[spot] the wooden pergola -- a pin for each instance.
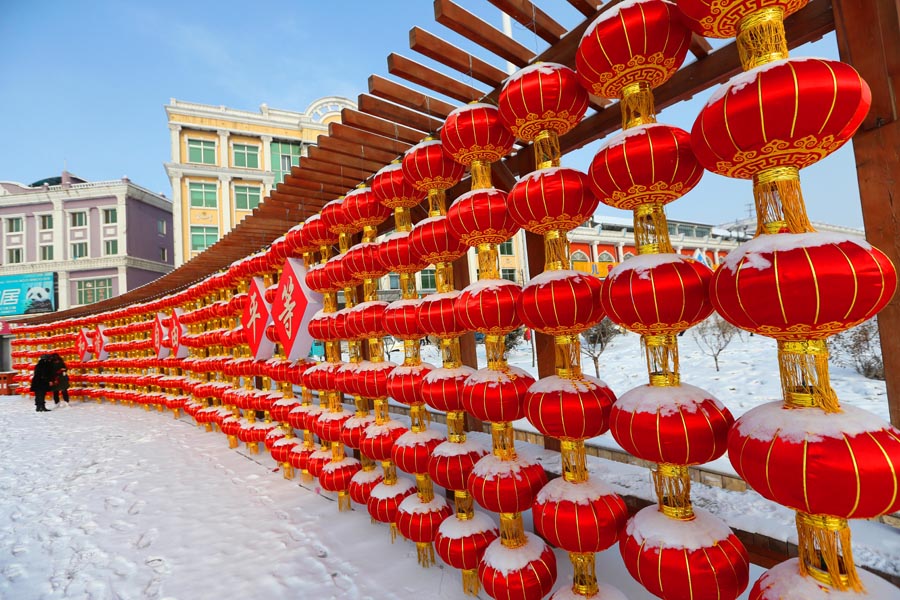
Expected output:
(393, 116)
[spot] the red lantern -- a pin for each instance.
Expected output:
(629, 44)
(396, 254)
(336, 218)
(533, 577)
(579, 517)
(632, 294)
(496, 395)
(373, 377)
(442, 389)
(561, 302)
(317, 461)
(363, 261)
(400, 319)
(426, 167)
(362, 483)
(551, 199)
(437, 316)
(698, 559)
(412, 450)
(364, 209)
(319, 279)
(482, 217)
(336, 474)
(384, 500)
(507, 486)
(569, 408)
(474, 132)
(542, 97)
(785, 578)
(788, 113)
(434, 242)
(404, 384)
(682, 425)
(393, 190)
(378, 440)
(802, 286)
(841, 464)
(489, 306)
(451, 463)
(461, 543)
(418, 521)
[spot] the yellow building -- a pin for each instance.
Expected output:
(225, 161)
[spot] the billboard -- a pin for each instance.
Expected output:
(27, 294)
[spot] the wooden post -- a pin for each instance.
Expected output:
(868, 36)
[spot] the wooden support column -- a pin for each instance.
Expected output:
(868, 36)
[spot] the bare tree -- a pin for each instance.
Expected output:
(713, 335)
(595, 340)
(860, 348)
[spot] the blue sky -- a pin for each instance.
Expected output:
(84, 83)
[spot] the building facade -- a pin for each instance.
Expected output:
(92, 240)
(225, 161)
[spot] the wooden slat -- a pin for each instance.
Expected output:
(436, 81)
(354, 151)
(337, 169)
(532, 18)
(430, 45)
(454, 17)
(338, 158)
(700, 46)
(341, 183)
(586, 7)
(404, 96)
(395, 112)
(379, 126)
(360, 136)
(298, 184)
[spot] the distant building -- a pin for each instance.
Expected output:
(68, 242)
(225, 161)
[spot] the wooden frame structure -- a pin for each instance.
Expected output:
(392, 117)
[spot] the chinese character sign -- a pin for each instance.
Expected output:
(99, 350)
(294, 306)
(161, 336)
(176, 334)
(27, 294)
(83, 345)
(256, 318)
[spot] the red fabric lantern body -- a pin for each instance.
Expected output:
(452, 462)
(699, 559)
(378, 440)
(299, 457)
(682, 425)
(393, 190)
(496, 395)
(418, 521)
(489, 306)
(363, 208)
(317, 461)
(633, 291)
(412, 450)
(482, 217)
(840, 464)
(788, 113)
(645, 164)
(366, 320)
(434, 242)
(373, 376)
(363, 261)
(396, 254)
(551, 199)
(329, 424)
(508, 486)
(405, 383)
(561, 302)
(401, 319)
(437, 315)
(722, 19)
(802, 286)
(384, 500)
(441, 389)
(542, 97)
(579, 517)
(426, 167)
(784, 582)
(629, 44)
(461, 544)
(336, 219)
(336, 475)
(317, 233)
(572, 409)
(362, 484)
(352, 432)
(531, 579)
(475, 132)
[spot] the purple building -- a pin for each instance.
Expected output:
(67, 242)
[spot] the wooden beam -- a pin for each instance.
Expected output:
(343, 184)
(345, 132)
(324, 166)
(338, 158)
(354, 151)
(586, 7)
(400, 114)
(700, 46)
(430, 45)
(379, 126)
(419, 74)
(454, 17)
(404, 96)
(868, 35)
(532, 18)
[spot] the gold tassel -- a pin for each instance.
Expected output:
(651, 230)
(761, 39)
(470, 583)
(306, 476)
(574, 464)
(425, 554)
(568, 356)
(408, 286)
(512, 530)
(488, 262)
(672, 484)
(638, 106)
(556, 251)
(456, 421)
(503, 440)
(825, 552)
(437, 198)
(495, 352)
(344, 503)
(288, 470)
(369, 233)
(253, 447)
(402, 219)
(176, 413)
(465, 505)
(546, 150)
(394, 532)
(805, 381)
(424, 487)
(779, 201)
(584, 579)
(481, 177)
(662, 359)
(232, 441)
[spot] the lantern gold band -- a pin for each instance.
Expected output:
(481, 175)
(437, 202)
(584, 579)
(451, 353)
(662, 359)
(779, 201)
(412, 353)
(805, 380)
(574, 462)
(470, 583)
(424, 487)
(369, 233)
(419, 418)
(376, 350)
(443, 275)
(568, 356)
(488, 262)
(343, 242)
(825, 553)
(329, 302)
(495, 350)
(556, 251)
(761, 38)
(456, 426)
(370, 290)
(546, 150)
(390, 472)
(465, 506)
(672, 484)
(638, 105)
(402, 219)
(362, 405)
(503, 440)
(512, 530)
(651, 229)
(382, 415)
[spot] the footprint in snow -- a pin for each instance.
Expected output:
(121, 525)
(137, 507)
(146, 539)
(129, 487)
(158, 564)
(17, 550)
(13, 571)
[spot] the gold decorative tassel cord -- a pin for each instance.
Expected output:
(470, 583)
(465, 506)
(584, 579)
(443, 277)
(495, 351)
(574, 462)
(503, 440)
(546, 150)
(662, 359)
(638, 105)
(369, 233)
(437, 200)
(779, 201)
(419, 418)
(425, 554)
(344, 503)
(424, 487)
(408, 286)
(412, 353)
(402, 219)
(451, 353)
(481, 175)
(651, 230)
(568, 356)
(456, 422)
(825, 552)
(512, 530)
(390, 472)
(805, 381)
(488, 262)
(672, 484)
(556, 251)
(761, 37)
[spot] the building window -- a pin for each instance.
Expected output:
(111, 247)
(79, 250)
(13, 255)
(394, 281)
(606, 257)
(203, 237)
(203, 195)
(202, 151)
(246, 156)
(508, 274)
(627, 255)
(14, 225)
(579, 256)
(428, 280)
(79, 219)
(702, 231)
(94, 290)
(284, 156)
(506, 248)
(164, 254)
(46, 222)
(109, 216)
(46, 252)
(161, 227)
(246, 197)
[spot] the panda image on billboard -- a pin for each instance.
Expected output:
(38, 300)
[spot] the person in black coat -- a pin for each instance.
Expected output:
(60, 378)
(40, 381)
